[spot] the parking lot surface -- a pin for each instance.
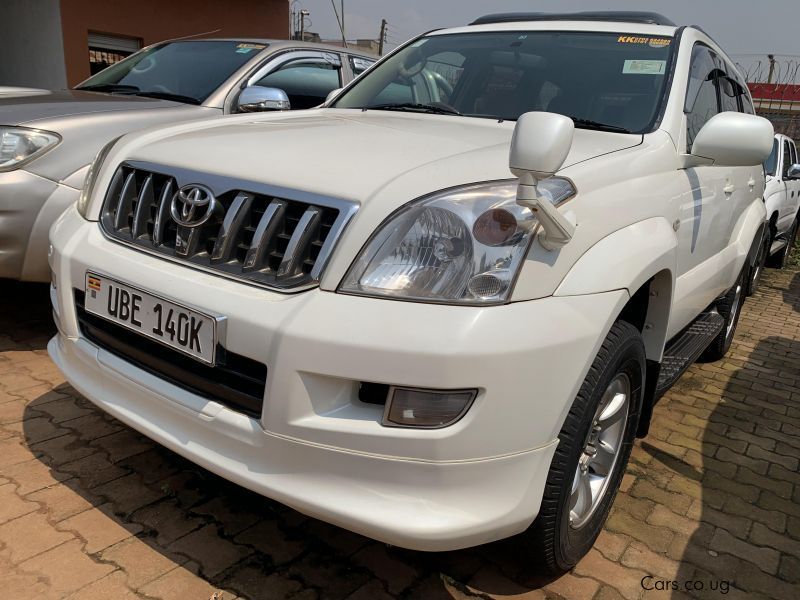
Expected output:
(709, 508)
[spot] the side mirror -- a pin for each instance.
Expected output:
(259, 99)
(539, 147)
(331, 95)
(734, 139)
(794, 172)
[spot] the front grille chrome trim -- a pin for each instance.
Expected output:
(270, 236)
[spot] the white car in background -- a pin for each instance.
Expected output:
(439, 310)
(782, 199)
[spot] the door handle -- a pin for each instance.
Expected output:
(729, 189)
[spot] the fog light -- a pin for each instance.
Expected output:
(431, 409)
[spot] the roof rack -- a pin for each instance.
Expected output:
(649, 18)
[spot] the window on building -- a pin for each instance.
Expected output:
(106, 50)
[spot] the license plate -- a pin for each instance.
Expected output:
(176, 326)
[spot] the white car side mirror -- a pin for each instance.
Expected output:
(794, 172)
(539, 147)
(734, 139)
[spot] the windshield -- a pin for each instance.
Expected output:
(771, 164)
(187, 71)
(596, 78)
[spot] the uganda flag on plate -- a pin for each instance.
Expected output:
(93, 283)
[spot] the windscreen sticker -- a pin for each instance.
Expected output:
(244, 51)
(245, 46)
(644, 67)
(652, 42)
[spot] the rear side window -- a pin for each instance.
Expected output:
(358, 65)
(701, 92)
(771, 164)
(793, 150)
(787, 159)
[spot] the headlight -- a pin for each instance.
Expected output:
(91, 177)
(461, 246)
(19, 145)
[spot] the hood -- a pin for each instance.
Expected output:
(353, 154)
(86, 121)
(35, 108)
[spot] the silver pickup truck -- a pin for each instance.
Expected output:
(48, 139)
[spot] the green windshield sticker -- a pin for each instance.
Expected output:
(645, 67)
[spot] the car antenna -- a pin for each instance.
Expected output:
(194, 35)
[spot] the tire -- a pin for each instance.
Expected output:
(754, 273)
(730, 307)
(562, 534)
(780, 258)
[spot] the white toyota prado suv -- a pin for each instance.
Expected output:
(438, 310)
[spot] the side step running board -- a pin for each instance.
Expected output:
(683, 350)
(776, 246)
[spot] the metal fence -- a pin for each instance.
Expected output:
(774, 82)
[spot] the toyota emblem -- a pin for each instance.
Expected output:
(193, 205)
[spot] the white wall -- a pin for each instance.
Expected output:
(31, 44)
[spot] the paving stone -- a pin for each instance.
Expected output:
(267, 537)
(12, 505)
(67, 568)
(213, 553)
(182, 583)
(625, 580)
(99, 527)
(767, 559)
(29, 535)
(110, 587)
(63, 501)
(142, 561)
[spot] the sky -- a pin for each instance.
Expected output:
(741, 27)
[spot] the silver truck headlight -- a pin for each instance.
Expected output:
(91, 177)
(461, 246)
(19, 145)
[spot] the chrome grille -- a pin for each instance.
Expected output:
(263, 234)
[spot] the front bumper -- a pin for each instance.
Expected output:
(316, 447)
(29, 204)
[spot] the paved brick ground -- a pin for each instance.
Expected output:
(90, 509)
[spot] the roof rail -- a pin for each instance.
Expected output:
(650, 18)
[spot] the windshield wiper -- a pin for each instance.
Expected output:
(167, 96)
(109, 87)
(589, 124)
(415, 106)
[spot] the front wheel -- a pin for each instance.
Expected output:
(594, 446)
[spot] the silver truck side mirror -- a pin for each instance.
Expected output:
(259, 99)
(794, 172)
(539, 148)
(331, 95)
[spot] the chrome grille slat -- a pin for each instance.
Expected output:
(264, 236)
(143, 204)
(162, 213)
(125, 202)
(261, 234)
(232, 226)
(300, 240)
